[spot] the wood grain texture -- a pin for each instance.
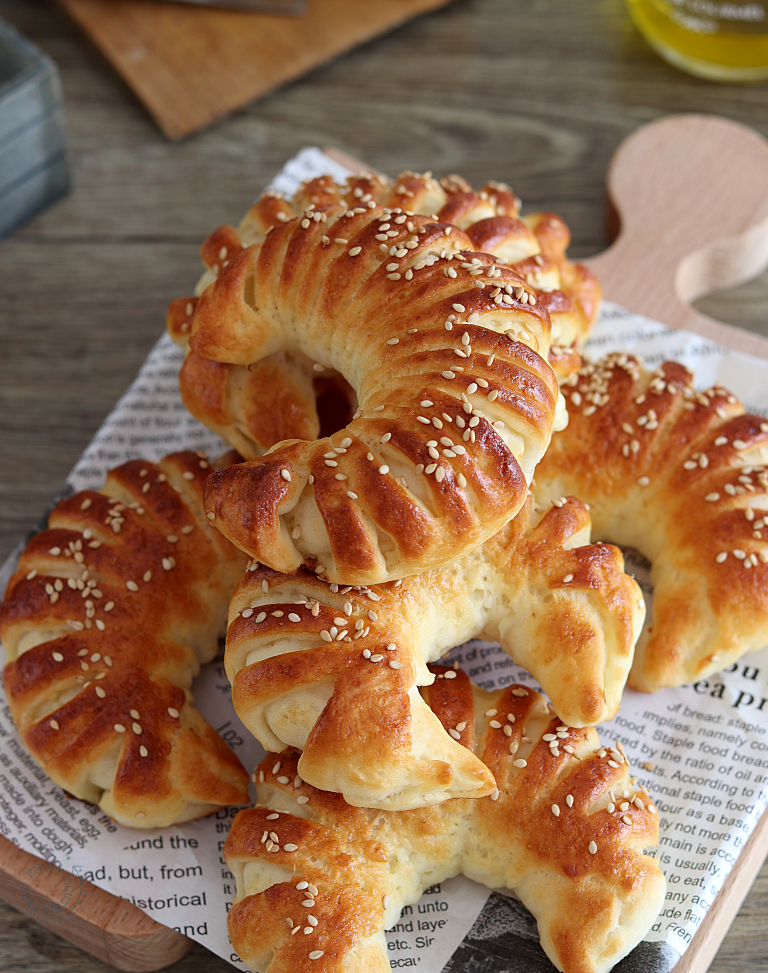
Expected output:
(539, 94)
(109, 928)
(193, 65)
(690, 195)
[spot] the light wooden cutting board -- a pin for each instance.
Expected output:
(687, 227)
(193, 65)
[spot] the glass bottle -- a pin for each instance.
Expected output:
(723, 40)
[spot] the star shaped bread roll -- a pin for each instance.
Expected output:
(334, 670)
(318, 881)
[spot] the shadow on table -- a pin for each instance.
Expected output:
(504, 939)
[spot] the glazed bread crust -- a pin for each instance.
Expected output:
(679, 475)
(334, 671)
(434, 357)
(105, 623)
(255, 407)
(318, 880)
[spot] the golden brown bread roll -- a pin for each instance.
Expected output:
(105, 623)
(443, 348)
(318, 881)
(679, 475)
(257, 406)
(334, 671)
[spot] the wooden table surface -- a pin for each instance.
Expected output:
(538, 93)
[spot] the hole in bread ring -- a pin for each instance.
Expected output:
(680, 476)
(254, 418)
(340, 306)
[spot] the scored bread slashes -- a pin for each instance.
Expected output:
(318, 881)
(255, 406)
(105, 623)
(334, 671)
(681, 476)
(372, 503)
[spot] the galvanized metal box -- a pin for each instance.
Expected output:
(33, 163)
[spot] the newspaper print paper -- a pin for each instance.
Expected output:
(701, 750)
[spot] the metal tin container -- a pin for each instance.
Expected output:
(33, 163)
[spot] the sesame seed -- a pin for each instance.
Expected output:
(285, 475)
(569, 800)
(520, 763)
(355, 251)
(119, 728)
(211, 515)
(316, 954)
(592, 848)
(556, 810)
(173, 712)
(394, 664)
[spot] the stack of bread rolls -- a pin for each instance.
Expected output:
(423, 456)
(441, 322)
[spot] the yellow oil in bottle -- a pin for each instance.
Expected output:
(723, 40)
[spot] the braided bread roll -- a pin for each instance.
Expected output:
(451, 348)
(105, 624)
(680, 475)
(318, 881)
(334, 671)
(257, 406)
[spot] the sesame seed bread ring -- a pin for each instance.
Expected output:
(105, 623)
(456, 400)
(256, 406)
(334, 671)
(679, 475)
(318, 881)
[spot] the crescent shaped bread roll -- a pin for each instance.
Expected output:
(105, 623)
(681, 476)
(256, 406)
(318, 881)
(334, 671)
(432, 355)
